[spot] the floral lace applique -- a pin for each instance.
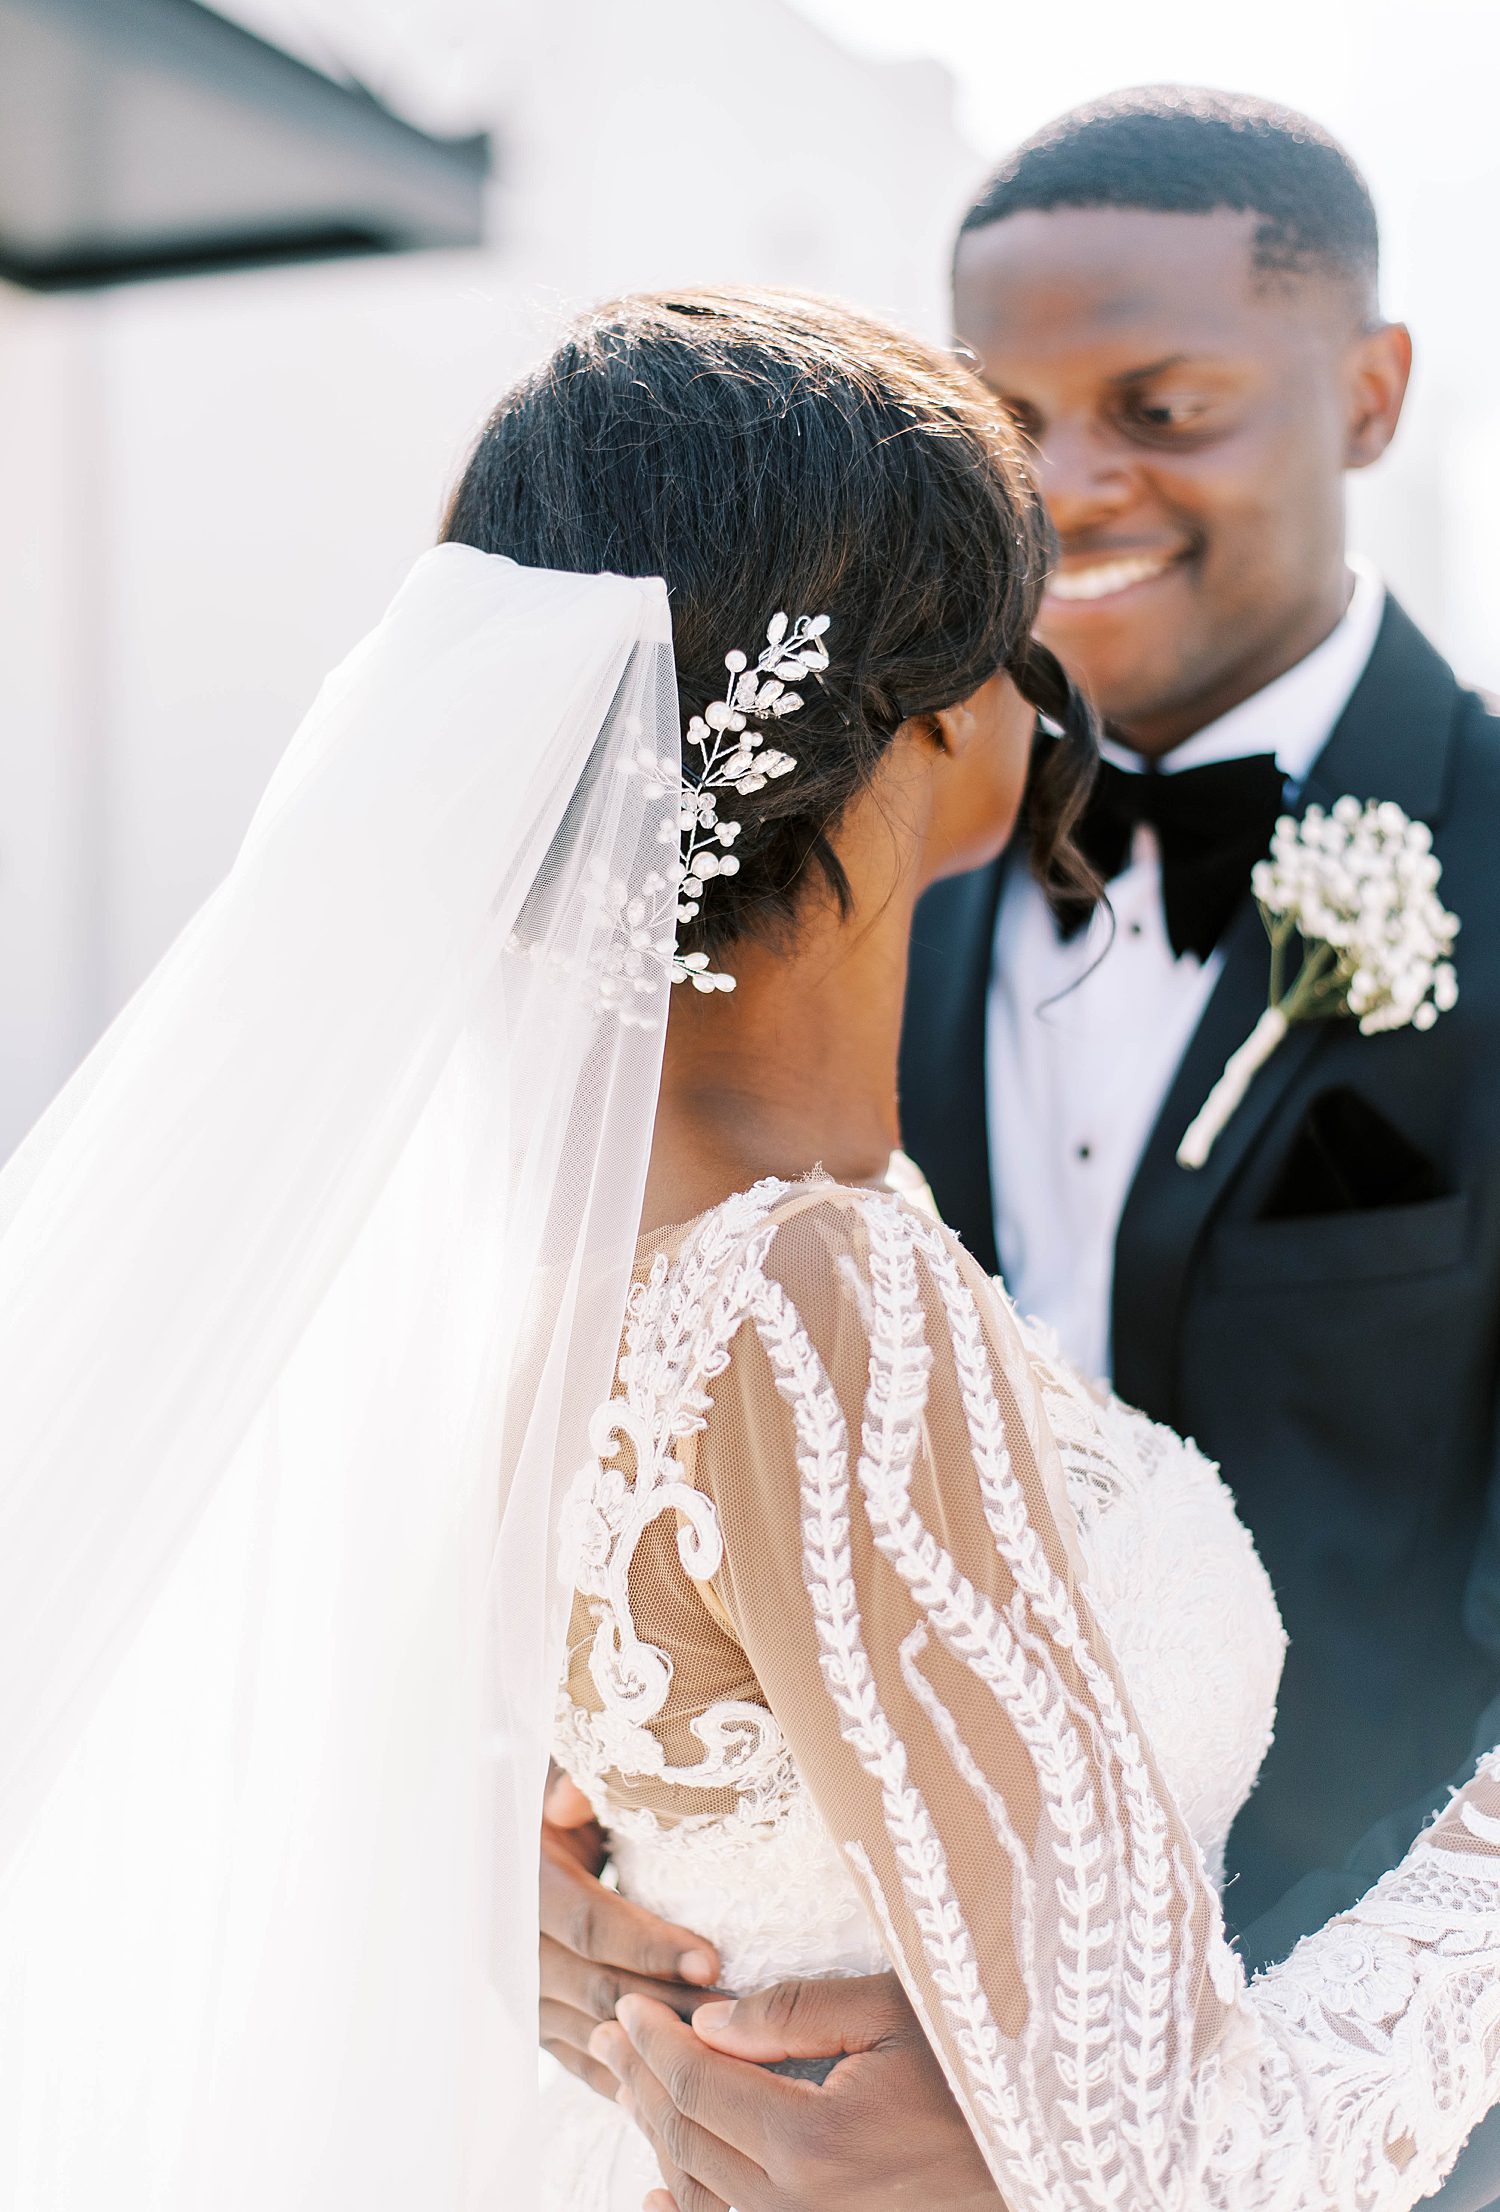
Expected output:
(679, 1324)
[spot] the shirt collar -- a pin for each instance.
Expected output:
(1293, 716)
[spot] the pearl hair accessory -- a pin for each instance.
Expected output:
(640, 925)
(1358, 885)
(735, 757)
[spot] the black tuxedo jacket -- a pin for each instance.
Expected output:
(1319, 1306)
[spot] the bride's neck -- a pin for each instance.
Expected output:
(793, 1070)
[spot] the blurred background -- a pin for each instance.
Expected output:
(264, 267)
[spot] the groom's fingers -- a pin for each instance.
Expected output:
(682, 2193)
(594, 1991)
(604, 1929)
(821, 2019)
(741, 2108)
(565, 1805)
(703, 2173)
(565, 2037)
(883, 2132)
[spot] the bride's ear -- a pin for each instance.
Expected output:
(949, 730)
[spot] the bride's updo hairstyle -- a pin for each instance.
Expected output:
(766, 451)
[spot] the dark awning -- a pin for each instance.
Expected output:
(150, 137)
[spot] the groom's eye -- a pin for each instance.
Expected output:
(1176, 415)
(1026, 419)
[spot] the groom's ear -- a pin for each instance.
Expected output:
(1379, 368)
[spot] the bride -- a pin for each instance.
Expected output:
(400, 1318)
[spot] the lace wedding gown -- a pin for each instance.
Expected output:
(892, 1644)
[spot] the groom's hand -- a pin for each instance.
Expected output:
(882, 2134)
(596, 1945)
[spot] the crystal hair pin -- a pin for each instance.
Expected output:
(734, 756)
(731, 756)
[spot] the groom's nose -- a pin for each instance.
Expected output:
(1085, 480)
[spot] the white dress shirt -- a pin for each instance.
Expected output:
(1076, 1082)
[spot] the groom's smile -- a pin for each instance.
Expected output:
(1192, 414)
(1085, 578)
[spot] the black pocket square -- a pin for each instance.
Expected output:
(1346, 1157)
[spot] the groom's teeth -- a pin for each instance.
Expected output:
(1106, 577)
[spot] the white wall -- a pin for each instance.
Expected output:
(52, 755)
(212, 486)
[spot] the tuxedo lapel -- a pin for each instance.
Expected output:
(1392, 742)
(944, 1099)
(1395, 737)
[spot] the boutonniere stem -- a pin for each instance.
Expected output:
(1354, 892)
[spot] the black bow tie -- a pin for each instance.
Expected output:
(1212, 824)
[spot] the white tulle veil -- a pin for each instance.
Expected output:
(308, 1283)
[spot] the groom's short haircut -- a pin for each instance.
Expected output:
(1177, 149)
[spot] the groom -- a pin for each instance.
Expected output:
(1175, 294)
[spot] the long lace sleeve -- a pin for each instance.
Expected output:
(899, 1568)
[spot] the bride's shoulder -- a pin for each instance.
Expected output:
(815, 1200)
(817, 1240)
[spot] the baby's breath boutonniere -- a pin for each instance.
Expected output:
(1358, 886)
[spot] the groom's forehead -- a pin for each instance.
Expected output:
(1049, 282)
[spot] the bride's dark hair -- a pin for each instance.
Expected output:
(768, 451)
